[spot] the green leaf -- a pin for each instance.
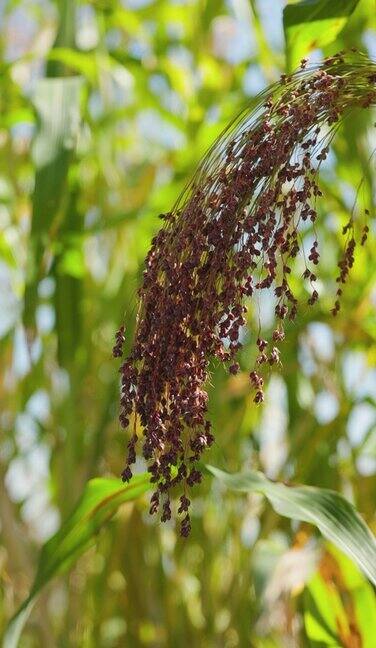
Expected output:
(311, 24)
(339, 604)
(99, 502)
(83, 63)
(334, 516)
(68, 270)
(322, 610)
(57, 103)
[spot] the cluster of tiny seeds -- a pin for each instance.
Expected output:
(234, 231)
(117, 349)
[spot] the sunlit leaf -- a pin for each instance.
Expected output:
(81, 62)
(311, 24)
(98, 503)
(339, 604)
(334, 516)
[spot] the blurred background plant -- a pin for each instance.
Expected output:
(106, 107)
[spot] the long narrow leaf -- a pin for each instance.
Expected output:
(99, 502)
(334, 516)
(57, 103)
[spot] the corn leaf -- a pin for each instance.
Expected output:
(99, 502)
(312, 24)
(331, 513)
(339, 604)
(57, 103)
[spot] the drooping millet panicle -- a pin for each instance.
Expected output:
(233, 231)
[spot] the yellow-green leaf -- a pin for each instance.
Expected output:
(99, 502)
(312, 24)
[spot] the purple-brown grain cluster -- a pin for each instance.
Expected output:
(233, 232)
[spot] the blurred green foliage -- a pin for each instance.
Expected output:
(105, 109)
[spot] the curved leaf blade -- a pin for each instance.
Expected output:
(331, 513)
(313, 23)
(100, 500)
